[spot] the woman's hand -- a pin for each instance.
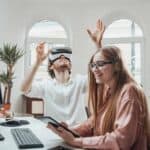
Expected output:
(67, 136)
(41, 55)
(1, 115)
(97, 35)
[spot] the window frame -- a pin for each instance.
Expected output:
(124, 40)
(30, 40)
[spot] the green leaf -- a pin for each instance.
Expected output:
(4, 78)
(10, 54)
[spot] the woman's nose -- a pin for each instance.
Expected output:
(96, 69)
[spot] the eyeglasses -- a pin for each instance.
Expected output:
(99, 64)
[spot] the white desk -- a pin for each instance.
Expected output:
(47, 137)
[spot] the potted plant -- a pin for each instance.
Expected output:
(9, 54)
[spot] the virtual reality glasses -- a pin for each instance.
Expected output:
(56, 53)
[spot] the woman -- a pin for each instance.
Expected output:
(119, 117)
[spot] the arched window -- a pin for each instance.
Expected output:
(128, 36)
(50, 32)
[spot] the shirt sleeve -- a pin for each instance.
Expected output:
(125, 128)
(37, 89)
(83, 81)
(85, 129)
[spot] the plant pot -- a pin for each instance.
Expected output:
(7, 106)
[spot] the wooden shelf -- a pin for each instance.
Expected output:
(34, 106)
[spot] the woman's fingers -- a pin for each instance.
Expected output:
(68, 137)
(89, 32)
(53, 129)
(59, 131)
(103, 27)
(98, 24)
(64, 124)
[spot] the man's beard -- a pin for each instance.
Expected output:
(63, 67)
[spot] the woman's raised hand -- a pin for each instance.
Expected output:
(97, 35)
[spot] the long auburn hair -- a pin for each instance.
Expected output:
(121, 76)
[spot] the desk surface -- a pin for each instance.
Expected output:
(47, 137)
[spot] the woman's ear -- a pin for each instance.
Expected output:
(117, 67)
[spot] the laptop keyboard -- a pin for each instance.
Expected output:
(25, 138)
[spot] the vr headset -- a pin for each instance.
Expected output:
(56, 53)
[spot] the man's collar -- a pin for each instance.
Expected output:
(66, 83)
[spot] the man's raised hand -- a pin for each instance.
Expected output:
(41, 54)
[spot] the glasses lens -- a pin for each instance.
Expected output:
(92, 65)
(100, 64)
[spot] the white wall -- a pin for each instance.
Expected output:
(17, 16)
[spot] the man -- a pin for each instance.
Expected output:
(62, 95)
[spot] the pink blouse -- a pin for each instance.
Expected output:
(128, 133)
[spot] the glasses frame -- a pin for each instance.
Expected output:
(100, 63)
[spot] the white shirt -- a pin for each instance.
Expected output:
(64, 102)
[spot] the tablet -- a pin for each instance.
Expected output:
(56, 124)
(60, 147)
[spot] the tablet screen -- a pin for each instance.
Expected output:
(57, 124)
